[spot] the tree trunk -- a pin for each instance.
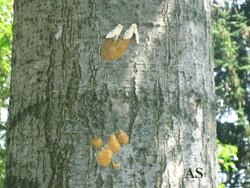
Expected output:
(64, 95)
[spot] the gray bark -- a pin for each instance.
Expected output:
(63, 94)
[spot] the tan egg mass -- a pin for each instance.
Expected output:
(123, 137)
(114, 145)
(104, 157)
(116, 165)
(97, 142)
(113, 49)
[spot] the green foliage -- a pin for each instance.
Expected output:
(222, 185)
(2, 166)
(228, 31)
(226, 58)
(226, 155)
(5, 50)
(6, 17)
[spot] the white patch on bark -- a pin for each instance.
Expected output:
(59, 33)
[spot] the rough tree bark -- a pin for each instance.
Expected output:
(64, 94)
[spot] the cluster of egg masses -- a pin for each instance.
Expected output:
(105, 156)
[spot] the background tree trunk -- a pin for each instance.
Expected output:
(64, 94)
